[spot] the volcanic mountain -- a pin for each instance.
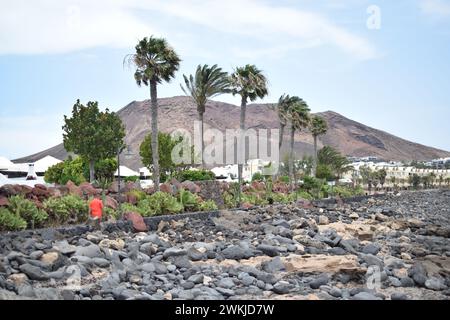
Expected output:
(348, 136)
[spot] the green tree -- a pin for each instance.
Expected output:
(155, 62)
(382, 174)
(318, 127)
(441, 180)
(250, 83)
(338, 163)
(166, 144)
(208, 82)
(92, 134)
(414, 180)
(299, 118)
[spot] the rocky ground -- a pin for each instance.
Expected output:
(393, 247)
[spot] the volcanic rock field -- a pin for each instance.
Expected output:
(392, 247)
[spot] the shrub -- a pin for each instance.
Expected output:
(62, 172)
(28, 211)
(195, 175)
(229, 200)
(257, 176)
(304, 195)
(10, 221)
(147, 207)
(346, 192)
(254, 198)
(324, 172)
(157, 204)
(139, 194)
(69, 208)
(280, 198)
(284, 179)
(128, 207)
(131, 179)
(111, 213)
(209, 205)
(188, 200)
(164, 203)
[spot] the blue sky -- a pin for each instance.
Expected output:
(395, 78)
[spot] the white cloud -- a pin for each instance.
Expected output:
(266, 22)
(46, 26)
(32, 133)
(40, 26)
(435, 8)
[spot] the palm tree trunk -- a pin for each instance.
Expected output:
(91, 171)
(291, 159)
(280, 142)
(155, 152)
(315, 157)
(242, 143)
(202, 145)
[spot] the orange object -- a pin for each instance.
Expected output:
(96, 207)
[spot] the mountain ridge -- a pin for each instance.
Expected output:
(348, 136)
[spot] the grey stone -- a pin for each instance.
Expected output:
(274, 265)
(160, 268)
(225, 292)
(395, 282)
(248, 280)
(371, 248)
(365, 296)
(34, 273)
(186, 295)
(337, 251)
(282, 287)
(181, 261)
(101, 263)
(235, 252)
(148, 267)
(171, 268)
(399, 296)
(195, 255)
(64, 247)
(271, 251)
(148, 248)
(91, 251)
(372, 260)
(407, 282)
(187, 285)
(36, 254)
(435, 284)
(226, 283)
(196, 278)
(336, 292)
(173, 252)
(320, 281)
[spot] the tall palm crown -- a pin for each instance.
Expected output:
(154, 60)
(283, 114)
(318, 126)
(207, 83)
(249, 82)
(299, 113)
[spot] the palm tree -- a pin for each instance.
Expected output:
(155, 62)
(282, 110)
(318, 127)
(207, 83)
(250, 83)
(299, 118)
